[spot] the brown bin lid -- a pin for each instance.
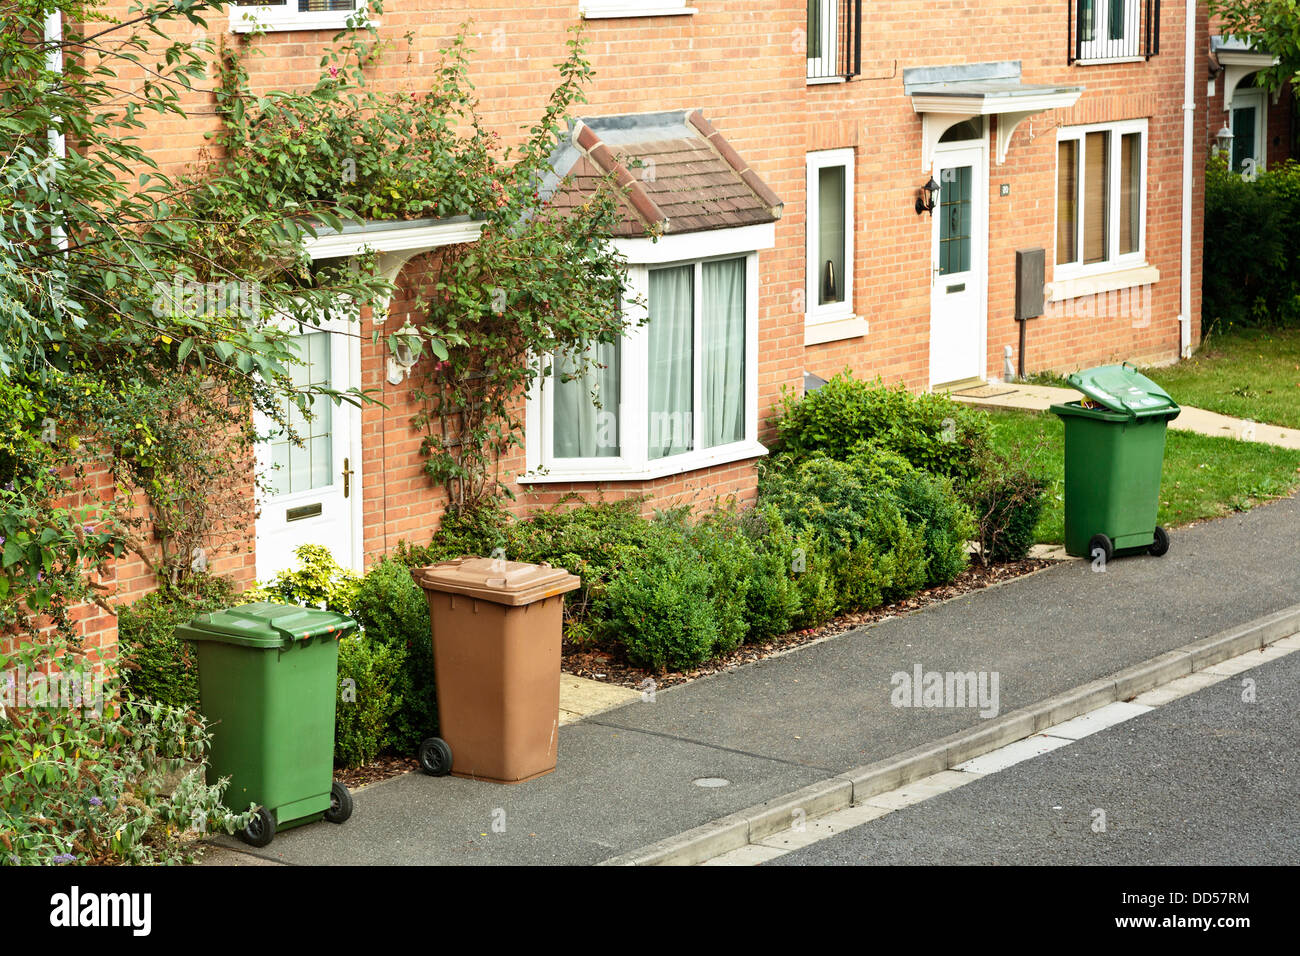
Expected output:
(513, 583)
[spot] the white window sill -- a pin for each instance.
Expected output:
(816, 332)
(1104, 60)
(649, 10)
(1072, 287)
(658, 469)
(273, 20)
(825, 80)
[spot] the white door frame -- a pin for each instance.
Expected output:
(960, 152)
(1244, 99)
(345, 333)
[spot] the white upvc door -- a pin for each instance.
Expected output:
(959, 264)
(311, 494)
(1248, 120)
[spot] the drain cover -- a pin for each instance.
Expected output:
(711, 782)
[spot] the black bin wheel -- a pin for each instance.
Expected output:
(340, 803)
(435, 757)
(1160, 546)
(1101, 542)
(260, 830)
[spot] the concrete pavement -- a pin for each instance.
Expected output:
(630, 776)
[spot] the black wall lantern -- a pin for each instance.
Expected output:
(929, 198)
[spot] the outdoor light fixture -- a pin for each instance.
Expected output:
(406, 352)
(929, 198)
(1223, 140)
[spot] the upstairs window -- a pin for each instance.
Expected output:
(1114, 29)
(247, 16)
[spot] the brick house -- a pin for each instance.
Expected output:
(789, 146)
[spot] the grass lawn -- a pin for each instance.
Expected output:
(1247, 373)
(1204, 477)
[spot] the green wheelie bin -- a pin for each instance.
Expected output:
(268, 678)
(1114, 451)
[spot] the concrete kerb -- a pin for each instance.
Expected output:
(855, 786)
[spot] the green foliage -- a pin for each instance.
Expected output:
(662, 612)
(393, 611)
(155, 665)
(319, 581)
(853, 514)
(931, 431)
(1007, 499)
(102, 781)
(371, 675)
(1272, 26)
(1252, 246)
(930, 501)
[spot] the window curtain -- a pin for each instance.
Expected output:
(1130, 192)
(830, 235)
(586, 403)
(724, 351)
(672, 358)
(1067, 201)
(1096, 212)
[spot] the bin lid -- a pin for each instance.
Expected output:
(513, 583)
(1122, 388)
(266, 625)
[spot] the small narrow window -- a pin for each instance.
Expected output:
(829, 285)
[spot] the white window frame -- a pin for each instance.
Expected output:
(605, 9)
(1102, 49)
(815, 313)
(283, 17)
(1117, 262)
(823, 69)
(634, 464)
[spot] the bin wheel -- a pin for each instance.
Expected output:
(260, 830)
(340, 803)
(435, 757)
(1102, 542)
(1160, 546)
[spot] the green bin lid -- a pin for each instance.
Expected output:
(1122, 388)
(266, 625)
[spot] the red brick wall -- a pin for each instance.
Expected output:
(743, 65)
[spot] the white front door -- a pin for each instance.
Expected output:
(311, 493)
(958, 258)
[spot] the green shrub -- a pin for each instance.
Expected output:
(1007, 500)
(369, 699)
(661, 611)
(157, 666)
(319, 582)
(930, 502)
(852, 512)
(393, 611)
(471, 532)
(774, 600)
(114, 781)
(1252, 246)
(596, 541)
(931, 431)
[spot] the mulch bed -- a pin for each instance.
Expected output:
(613, 668)
(381, 768)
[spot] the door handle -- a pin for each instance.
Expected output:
(347, 478)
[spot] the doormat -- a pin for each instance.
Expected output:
(986, 391)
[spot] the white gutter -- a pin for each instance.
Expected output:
(1189, 146)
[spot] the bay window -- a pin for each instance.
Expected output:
(678, 391)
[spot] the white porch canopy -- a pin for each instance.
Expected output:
(1239, 60)
(947, 95)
